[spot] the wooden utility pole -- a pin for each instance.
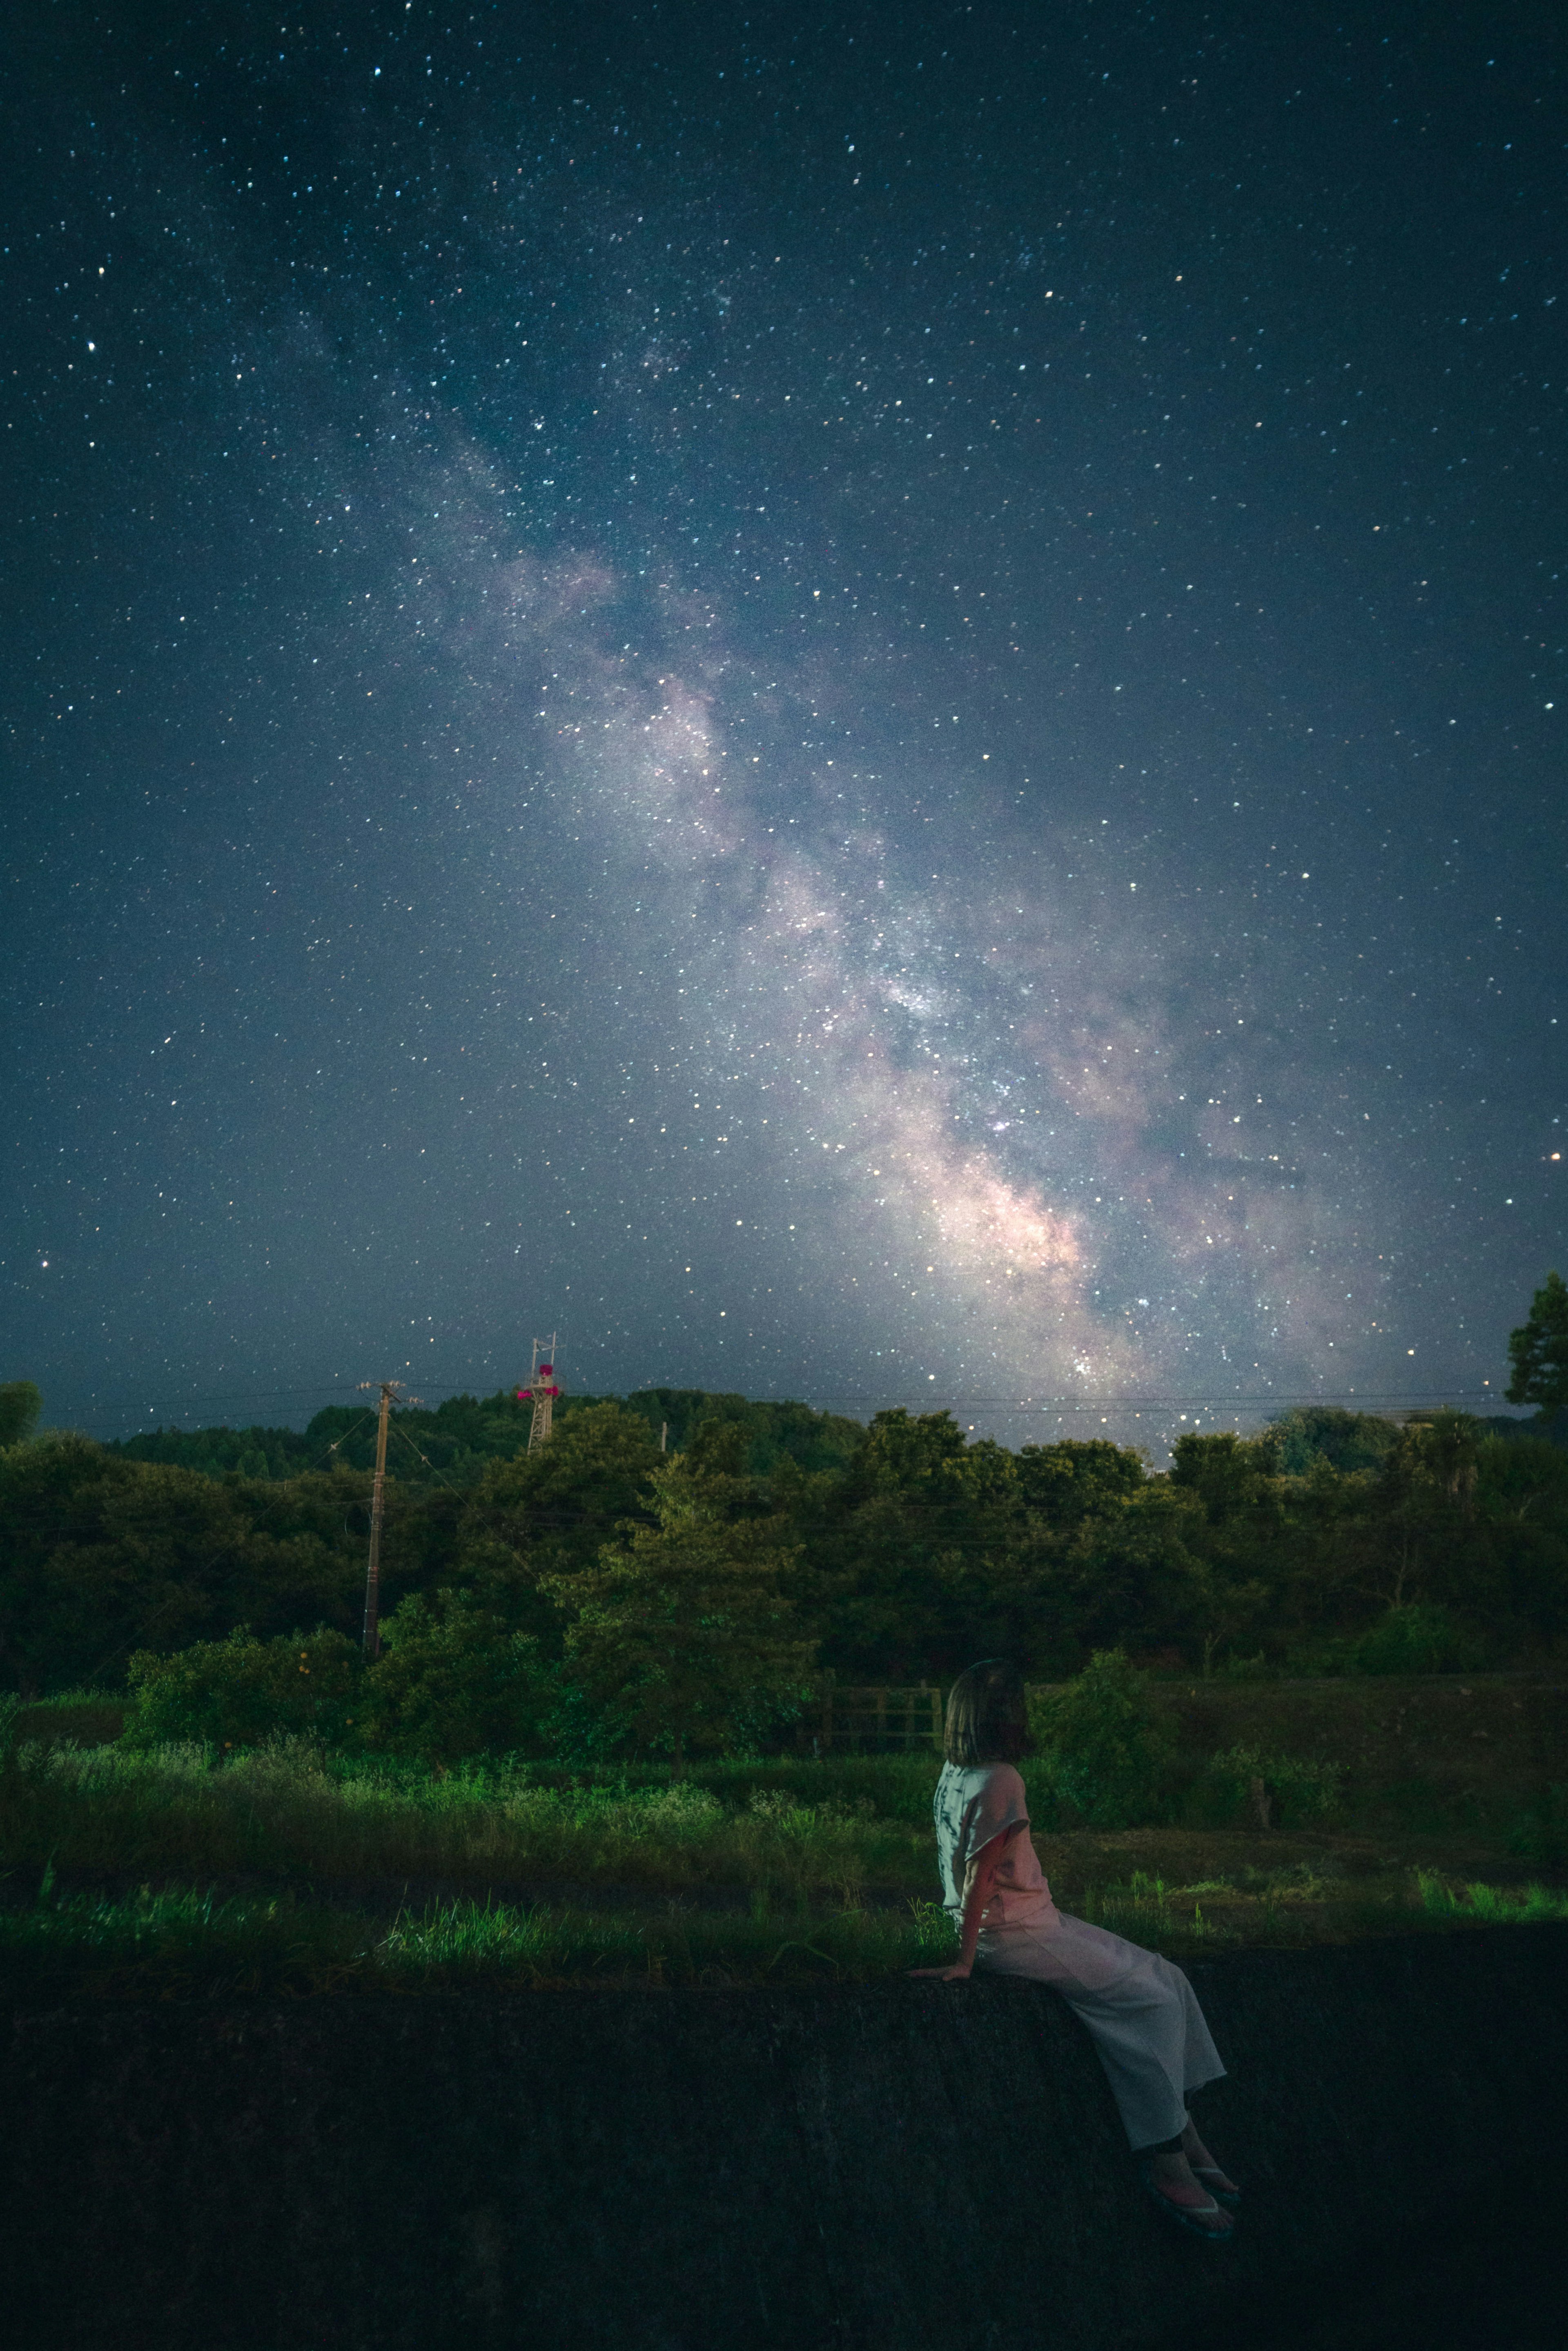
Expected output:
(371, 1639)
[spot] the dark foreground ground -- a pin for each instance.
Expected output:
(896, 2167)
(1488, 2277)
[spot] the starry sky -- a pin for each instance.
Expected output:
(856, 703)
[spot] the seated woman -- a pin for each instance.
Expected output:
(1139, 2010)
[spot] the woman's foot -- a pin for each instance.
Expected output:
(1170, 2181)
(1205, 2169)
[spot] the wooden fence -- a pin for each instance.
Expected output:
(878, 1722)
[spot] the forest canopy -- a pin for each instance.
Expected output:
(894, 1551)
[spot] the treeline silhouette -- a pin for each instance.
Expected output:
(1332, 1542)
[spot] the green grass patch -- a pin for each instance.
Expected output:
(178, 1870)
(1303, 1902)
(169, 1943)
(897, 1787)
(185, 1943)
(1488, 1905)
(281, 1811)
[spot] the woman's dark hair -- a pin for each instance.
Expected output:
(987, 1715)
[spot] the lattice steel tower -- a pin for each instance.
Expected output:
(542, 1392)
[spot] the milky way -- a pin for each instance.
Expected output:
(882, 730)
(824, 1000)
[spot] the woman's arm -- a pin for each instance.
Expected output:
(980, 1882)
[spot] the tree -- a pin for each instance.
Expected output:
(682, 1632)
(902, 1545)
(1231, 1475)
(1347, 1441)
(774, 1432)
(101, 1555)
(1067, 1482)
(1426, 1492)
(1127, 1573)
(1538, 1349)
(454, 1681)
(20, 1404)
(564, 1500)
(1236, 1480)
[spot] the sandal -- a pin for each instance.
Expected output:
(1229, 2196)
(1188, 2217)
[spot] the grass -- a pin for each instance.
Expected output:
(281, 1811)
(1488, 1904)
(185, 1943)
(89, 1717)
(1303, 1902)
(291, 1870)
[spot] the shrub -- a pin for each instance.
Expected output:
(1246, 1669)
(1106, 1753)
(1417, 1638)
(453, 1682)
(242, 1691)
(1293, 1789)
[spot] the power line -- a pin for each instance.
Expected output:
(1094, 1404)
(877, 1396)
(885, 1400)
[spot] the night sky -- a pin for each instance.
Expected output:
(863, 703)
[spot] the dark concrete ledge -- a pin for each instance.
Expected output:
(899, 2167)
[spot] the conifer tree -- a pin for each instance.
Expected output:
(682, 1632)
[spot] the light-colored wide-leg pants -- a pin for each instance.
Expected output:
(1145, 2022)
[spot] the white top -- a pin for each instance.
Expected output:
(1022, 1932)
(972, 1806)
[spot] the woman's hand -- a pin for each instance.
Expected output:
(959, 1972)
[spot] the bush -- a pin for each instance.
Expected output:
(1415, 1639)
(242, 1691)
(1293, 1789)
(1106, 1755)
(1247, 1669)
(453, 1682)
